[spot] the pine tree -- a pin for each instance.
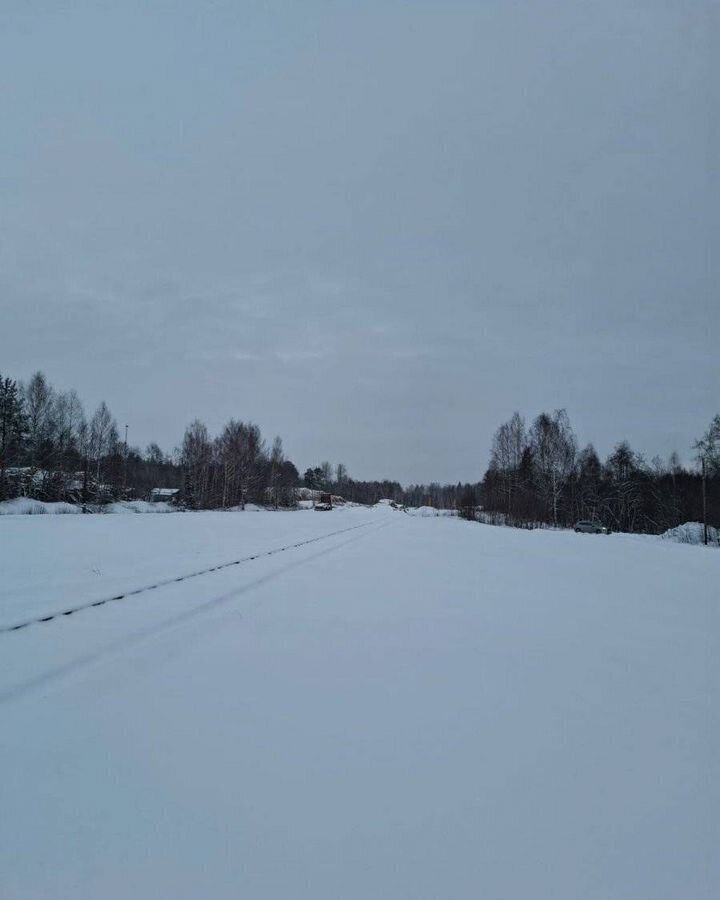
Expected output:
(12, 429)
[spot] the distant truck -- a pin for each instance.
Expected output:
(324, 504)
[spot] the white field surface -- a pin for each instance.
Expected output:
(418, 709)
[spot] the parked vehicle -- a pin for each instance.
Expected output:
(324, 504)
(586, 527)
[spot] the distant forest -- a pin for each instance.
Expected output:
(50, 450)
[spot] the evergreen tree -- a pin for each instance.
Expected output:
(12, 429)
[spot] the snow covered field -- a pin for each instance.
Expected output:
(415, 708)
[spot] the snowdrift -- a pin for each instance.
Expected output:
(425, 512)
(137, 506)
(25, 506)
(692, 533)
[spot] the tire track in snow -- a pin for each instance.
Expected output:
(13, 692)
(49, 617)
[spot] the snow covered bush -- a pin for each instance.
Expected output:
(25, 506)
(692, 533)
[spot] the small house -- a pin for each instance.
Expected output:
(165, 495)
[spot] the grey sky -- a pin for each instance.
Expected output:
(377, 228)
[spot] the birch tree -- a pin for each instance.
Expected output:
(103, 440)
(554, 449)
(39, 400)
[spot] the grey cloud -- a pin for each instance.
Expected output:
(375, 228)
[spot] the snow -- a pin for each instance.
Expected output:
(692, 533)
(138, 506)
(25, 506)
(249, 507)
(428, 511)
(417, 708)
(46, 567)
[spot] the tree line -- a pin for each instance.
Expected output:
(538, 474)
(51, 450)
(336, 480)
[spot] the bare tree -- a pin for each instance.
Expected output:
(154, 455)
(708, 454)
(554, 449)
(196, 456)
(277, 458)
(241, 450)
(39, 409)
(506, 455)
(70, 426)
(326, 471)
(103, 440)
(624, 468)
(674, 464)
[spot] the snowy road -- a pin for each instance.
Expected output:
(415, 709)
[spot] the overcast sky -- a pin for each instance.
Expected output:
(376, 228)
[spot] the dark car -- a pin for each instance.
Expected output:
(586, 527)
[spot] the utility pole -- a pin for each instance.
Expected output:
(708, 448)
(704, 502)
(124, 491)
(85, 484)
